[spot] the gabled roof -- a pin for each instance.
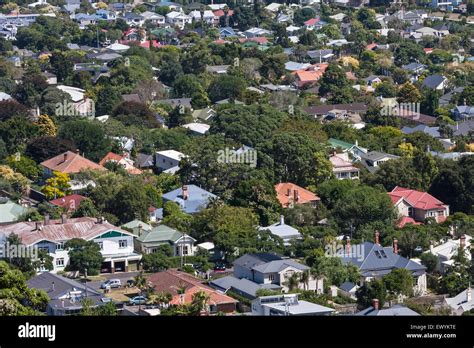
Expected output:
(249, 261)
(85, 228)
(304, 196)
(376, 156)
(279, 265)
(62, 285)
(416, 199)
(161, 234)
(377, 260)
(70, 162)
(396, 310)
(135, 224)
(197, 198)
(460, 301)
(71, 202)
(10, 211)
(282, 230)
(433, 81)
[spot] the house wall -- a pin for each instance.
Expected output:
(111, 245)
(421, 285)
(402, 208)
(164, 163)
(242, 272)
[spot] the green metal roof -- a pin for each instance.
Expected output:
(10, 212)
(161, 233)
(133, 225)
(339, 143)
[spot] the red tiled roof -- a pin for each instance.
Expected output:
(70, 202)
(340, 164)
(113, 157)
(220, 42)
(371, 46)
(258, 39)
(416, 199)
(304, 196)
(311, 21)
(70, 162)
(407, 220)
(428, 50)
(171, 281)
(85, 228)
(220, 13)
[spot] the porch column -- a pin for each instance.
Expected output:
(126, 265)
(112, 266)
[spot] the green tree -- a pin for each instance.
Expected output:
(399, 282)
(84, 255)
(375, 289)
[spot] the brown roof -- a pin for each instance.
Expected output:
(121, 159)
(70, 162)
(171, 281)
(286, 194)
(85, 228)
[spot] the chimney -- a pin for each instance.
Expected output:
(38, 226)
(469, 294)
(77, 151)
(375, 303)
(46, 219)
(63, 218)
(462, 241)
(348, 245)
(357, 143)
(139, 230)
(395, 246)
(288, 192)
(282, 220)
(65, 157)
(377, 237)
(52, 286)
(296, 195)
(185, 192)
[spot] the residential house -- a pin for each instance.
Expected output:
(289, 195)
(51, 79)
(168, 160)
(137, 227)
(122, 160)
(462, 302)
(266, 268)
(182, 286)
(256, 32)
(68, 163)
(284, 231)
(355, 150)
(225, 32)
(375, 261)
(69, 203)
(149, 241)
(416, 206)
(320, 56)
(342, 167)
(205, 114)
(348, 289)
(414, 69)
(197, 128)
(446, 98)
(462, 112)
(190, 198)
(116, 245)
(314, 24)
(436, 82)
(372, 80)
(464, 128)
(372, 160)
(323, 110)
(431, 131)
(81, 104)
(153, 18)
(65, 295)
(287, 304)
(133, 19)
(217, 69)
(145, 161)
(445, 251)
(10, 211)
(178, 19)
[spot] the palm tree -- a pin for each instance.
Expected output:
(292, 282)
(199, 303)
(141, 284)
(317, 274)
(304, 278)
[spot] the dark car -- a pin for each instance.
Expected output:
(130, 283)
(219, 267)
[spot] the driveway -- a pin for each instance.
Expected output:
(122, 276)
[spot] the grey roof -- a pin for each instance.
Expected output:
(283, 231)
(433, 81)
(244, 286)
(347, 286)
(144, 160)
(413, 67)
(375, 155)
(396, 310)
(197, 200)
(177, 101)
(279, 265)
(433, 131)
(62, 285)
(319, 53)
(251, 260)
(463, 128)
(446, 99)
(377, 260)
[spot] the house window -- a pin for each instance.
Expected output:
(122, 243)
(410, 211)
(431, 213)
(185, 250)
(60, 262)
(271, 277)
(101, 245)
(45, 249)
(60, 246)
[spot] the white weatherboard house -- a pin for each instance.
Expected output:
(116, 245)
(287, 305)
(168, 160)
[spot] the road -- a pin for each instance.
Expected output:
(122, 276)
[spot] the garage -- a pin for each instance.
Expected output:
(106, 267)
(133, 266)
(119, 266)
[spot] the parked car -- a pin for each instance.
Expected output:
(219, 267)
(137, 300)
(111, 283)
(130, 283)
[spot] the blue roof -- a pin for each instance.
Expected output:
(197, 200)
(244, 286)
(433, 131)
